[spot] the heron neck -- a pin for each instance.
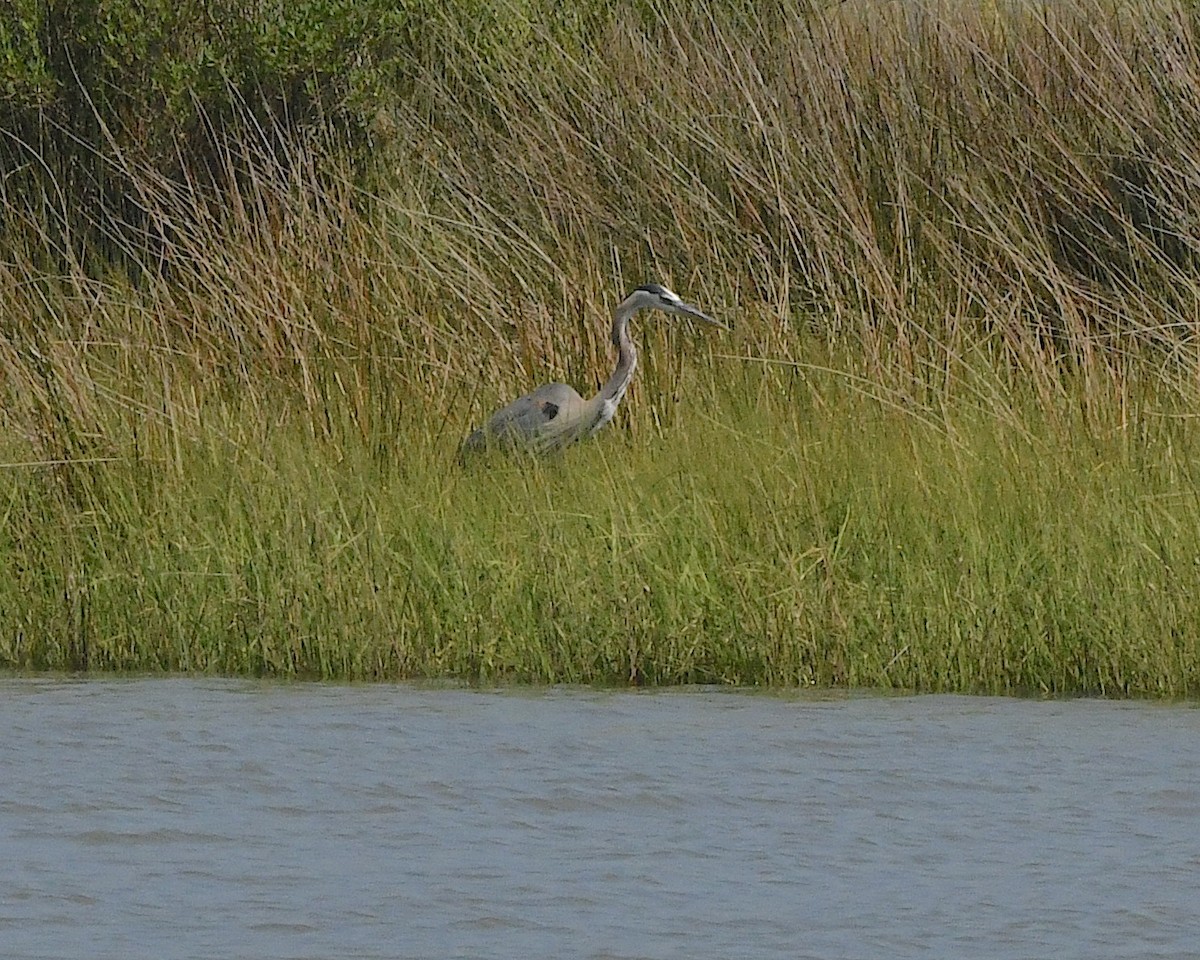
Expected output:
(614, 388)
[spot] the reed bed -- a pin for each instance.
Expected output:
(949, 445)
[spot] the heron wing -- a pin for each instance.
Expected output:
(542, 414)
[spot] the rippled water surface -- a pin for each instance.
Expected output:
(196, 819)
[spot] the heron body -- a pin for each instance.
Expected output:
(555, 415)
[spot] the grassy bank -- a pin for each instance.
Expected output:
(950, 444)
(840, 542)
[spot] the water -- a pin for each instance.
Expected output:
(194, 819)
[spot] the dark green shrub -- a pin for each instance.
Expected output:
(91, 90)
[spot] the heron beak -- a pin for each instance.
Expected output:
(689, 311)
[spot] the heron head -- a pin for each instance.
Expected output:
(654, 296)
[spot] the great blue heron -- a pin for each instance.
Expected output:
(554, 415)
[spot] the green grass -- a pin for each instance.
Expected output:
(821, 539)
(949, 445)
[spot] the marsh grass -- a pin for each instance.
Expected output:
(950, 554)
(950, 444)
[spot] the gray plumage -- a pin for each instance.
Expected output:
(555, 415)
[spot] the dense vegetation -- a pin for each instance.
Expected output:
(262, 266)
